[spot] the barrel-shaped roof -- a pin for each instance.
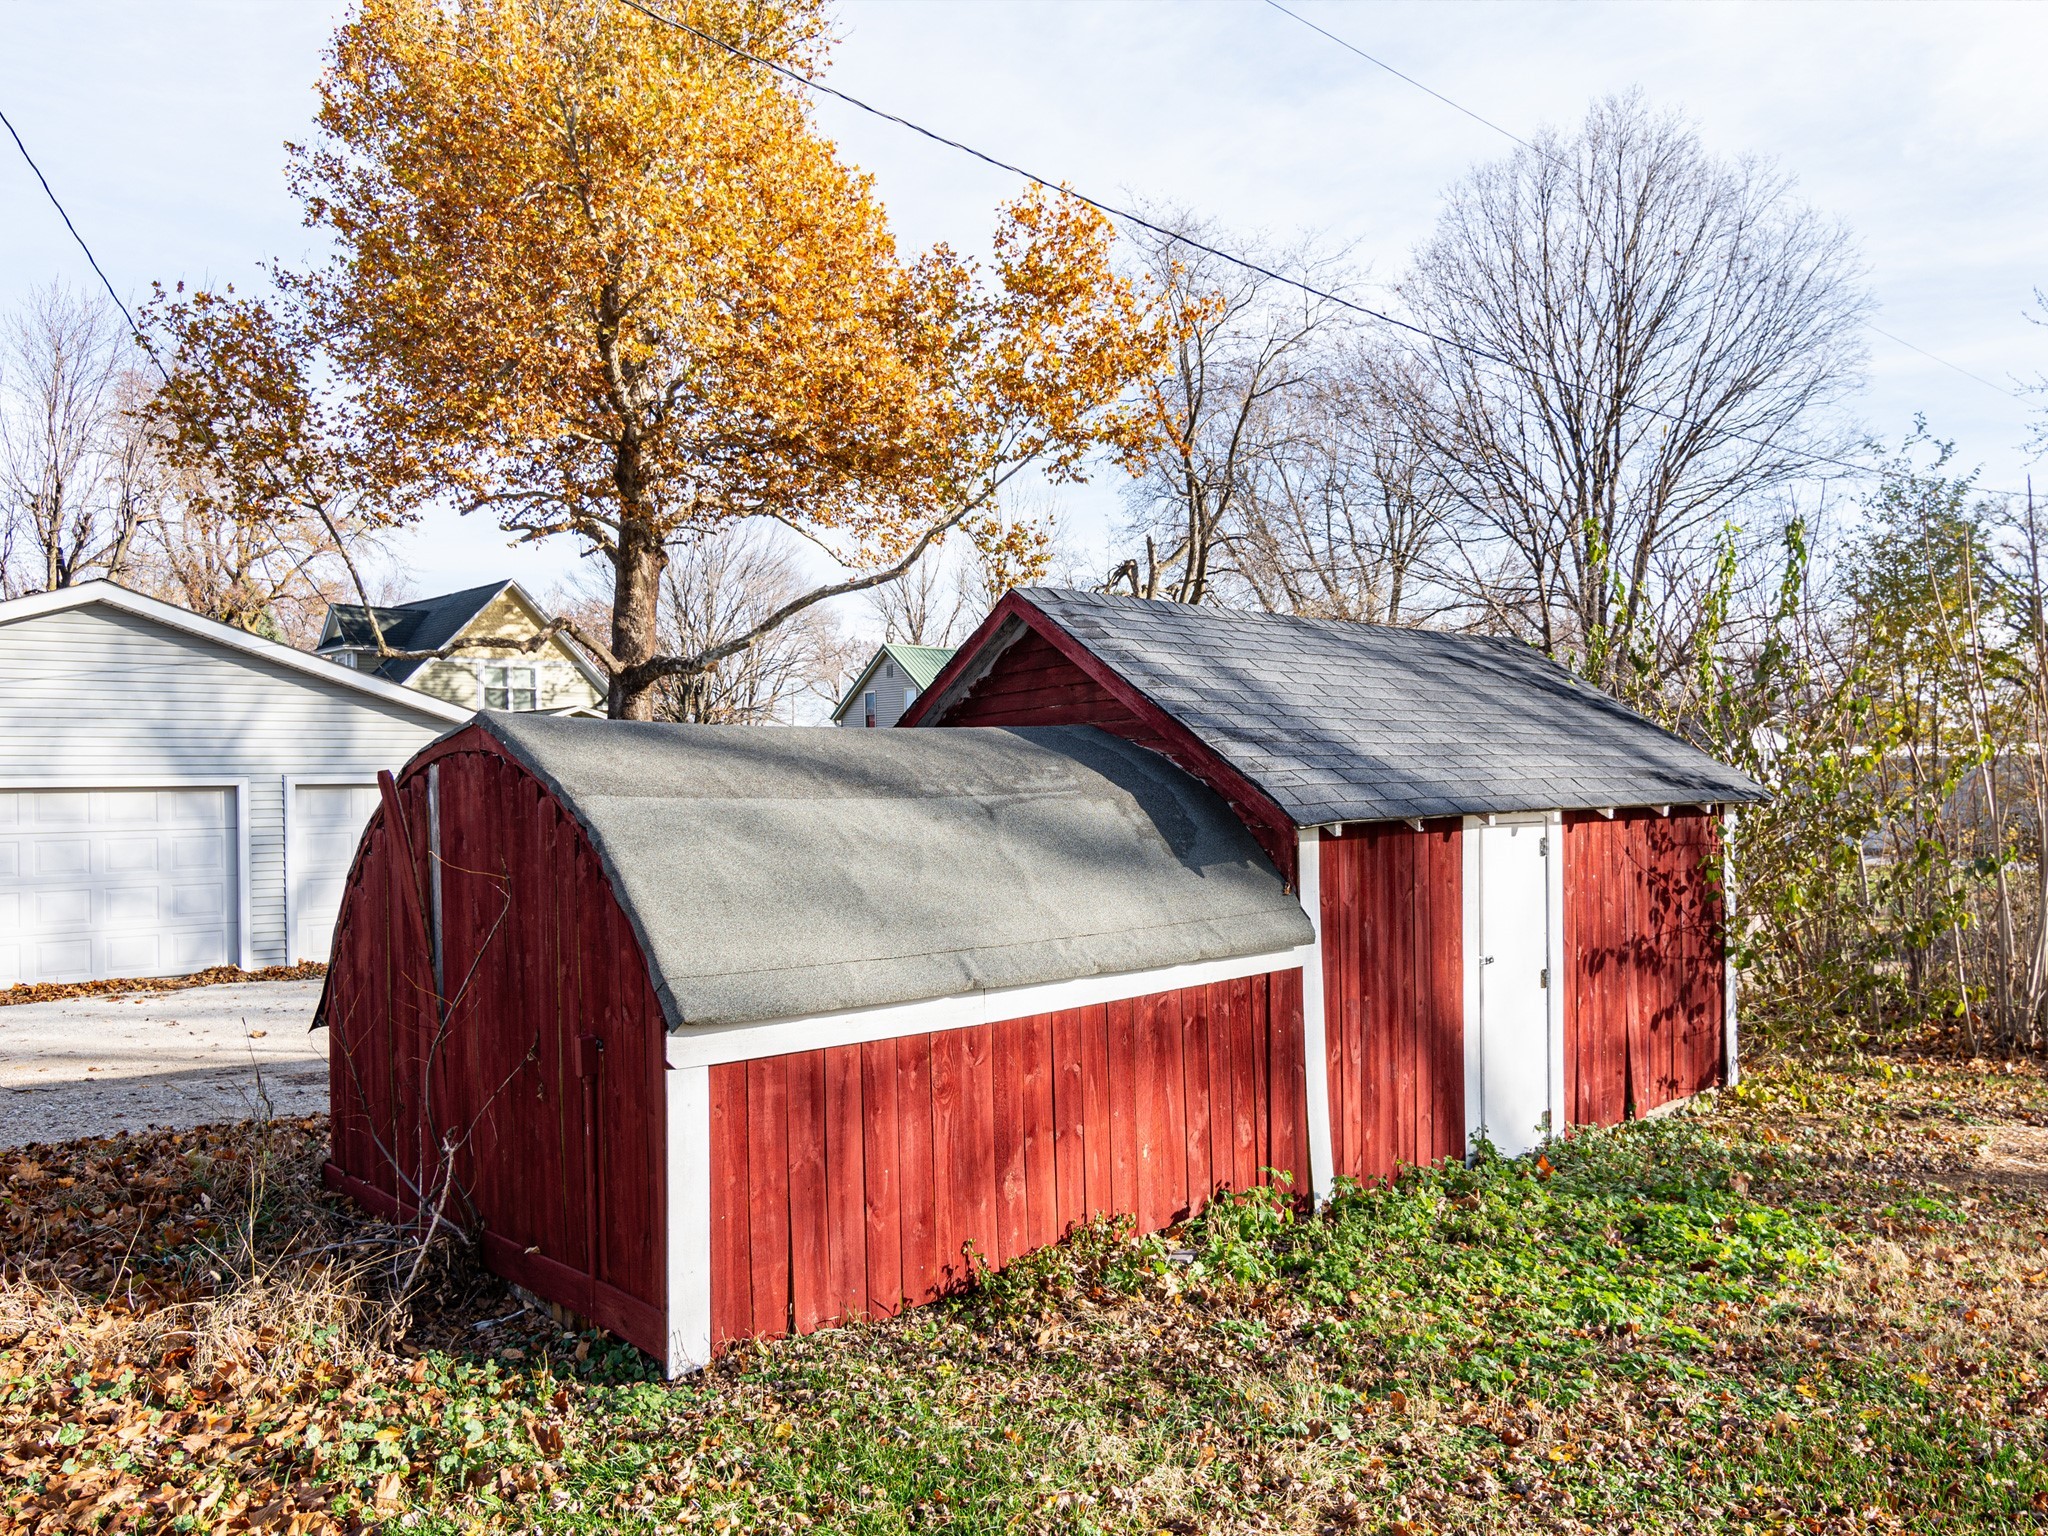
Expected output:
(785, 873)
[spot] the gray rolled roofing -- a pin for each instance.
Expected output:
(1363, 722)
(783, 873)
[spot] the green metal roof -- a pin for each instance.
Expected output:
(920, 663)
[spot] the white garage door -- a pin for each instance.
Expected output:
(99, 883)
(327, 823)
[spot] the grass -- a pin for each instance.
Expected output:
(1819, 1304)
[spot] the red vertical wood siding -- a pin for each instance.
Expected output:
(1035, 683)
(976, 1145)
(1645, 971)
(1393, 930)
(561, 1173)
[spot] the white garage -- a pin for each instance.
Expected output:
(118, 882)
(176, 794)
(324, 822)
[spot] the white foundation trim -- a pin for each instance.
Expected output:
(708, 1045)
(1308, 859)
(1729, 1034)
(688, 1219)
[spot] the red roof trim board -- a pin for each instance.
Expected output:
(1015, 616)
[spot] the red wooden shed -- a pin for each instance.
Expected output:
(1517, 884)
(714, 1032)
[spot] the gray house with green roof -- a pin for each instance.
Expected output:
(890, 684)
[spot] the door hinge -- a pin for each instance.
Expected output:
(1543, 977)
(1543, 846)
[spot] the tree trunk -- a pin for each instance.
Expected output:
(636, 587)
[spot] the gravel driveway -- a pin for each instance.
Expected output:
(95, 1066)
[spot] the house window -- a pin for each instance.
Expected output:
(509, 688)
(867, 704)
(344, 659)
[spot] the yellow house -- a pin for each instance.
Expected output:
(556, 679)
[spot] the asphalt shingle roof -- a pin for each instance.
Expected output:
(785, 873)
(1364, 722)
(425, 625)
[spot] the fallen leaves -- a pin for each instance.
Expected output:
(1408, 1381)
(54, 991)
(172, 1352)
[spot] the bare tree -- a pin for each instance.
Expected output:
(78, 479)
(1632, 340)
(271, 576)
(2037, 432)
(925, 605)
(1241, 345)
(719, 587)
(1346, 511)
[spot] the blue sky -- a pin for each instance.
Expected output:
(162, 125)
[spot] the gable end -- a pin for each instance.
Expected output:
(1022, 669)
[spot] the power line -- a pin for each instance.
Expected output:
(1125, 215)
(1351, 47)
(1957, 367)
(75, 235)
(1537, 149)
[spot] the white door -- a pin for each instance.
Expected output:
(1514, 1012)
(327, 823)
(100, 883)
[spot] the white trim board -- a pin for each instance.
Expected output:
(1475, 1055)
(1554, 967)
(1315, 1034)
(688, 1219)
(1731, 1054)
(107, 594)
(709, 1045)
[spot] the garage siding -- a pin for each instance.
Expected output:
(92, 695)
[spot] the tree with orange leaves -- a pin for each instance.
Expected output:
(607, 280)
